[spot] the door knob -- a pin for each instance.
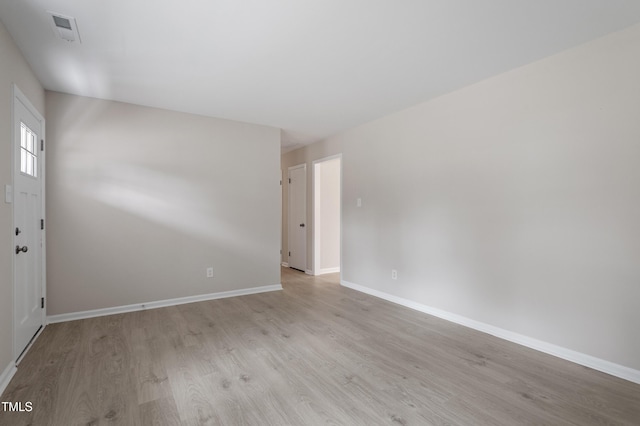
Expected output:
(23, 249)
(302, 225)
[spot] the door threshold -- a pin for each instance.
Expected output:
(31, 342)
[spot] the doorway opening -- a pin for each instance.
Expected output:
(327, 188)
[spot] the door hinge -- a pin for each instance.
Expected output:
(41, 223)
(280, 182)
(289, 253)
(41, 144)
(289, 180)
(42, 303)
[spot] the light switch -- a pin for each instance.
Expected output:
(8, 194)
(359, 202)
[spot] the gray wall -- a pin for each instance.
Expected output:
(13, 69)
(513, 202)
(141, 201)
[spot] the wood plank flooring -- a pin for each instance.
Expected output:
(315, 353)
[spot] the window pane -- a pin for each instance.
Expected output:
(23, 160)
(28, 151)
(23, 137)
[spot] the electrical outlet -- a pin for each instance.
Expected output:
(210, 272)
(394, 274)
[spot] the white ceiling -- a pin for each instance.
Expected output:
(310, 67)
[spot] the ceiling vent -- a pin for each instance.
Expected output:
(65, 27)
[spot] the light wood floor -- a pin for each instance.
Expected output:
(315, 353)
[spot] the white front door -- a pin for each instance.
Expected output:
(298, 217)
(27, 215)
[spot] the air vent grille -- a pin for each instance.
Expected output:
(64, 27)
(62, 22)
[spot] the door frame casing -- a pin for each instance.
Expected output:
(304, 209)
(314, 212)
(19, 96)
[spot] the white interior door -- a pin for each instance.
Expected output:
(298, 217)
(27, 215)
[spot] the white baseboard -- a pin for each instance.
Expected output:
(308, 272)
(6, 376)
(159, 304)
(285, 264)
(323, 271)
(602, 365)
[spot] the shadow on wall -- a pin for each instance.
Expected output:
(176, 188)
(159, 197)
